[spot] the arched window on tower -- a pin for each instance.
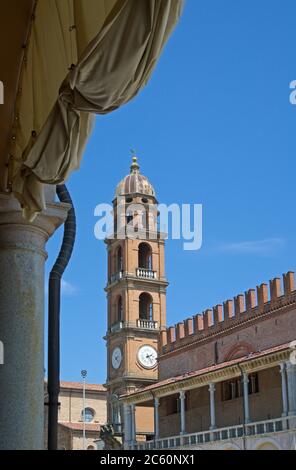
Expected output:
(145, 307)
(119, 309)
(119, 260)
(145, 256)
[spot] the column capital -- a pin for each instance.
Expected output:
(282, 366)
(182, 395)
(212, 387)
(290, 366)
(17, 232)
(156, 401)
(245, 377)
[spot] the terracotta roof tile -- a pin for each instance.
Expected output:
(79, 386)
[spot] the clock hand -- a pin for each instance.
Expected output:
(150, 357)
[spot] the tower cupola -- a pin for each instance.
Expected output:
(135, 182)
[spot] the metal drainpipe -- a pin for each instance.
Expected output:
(54, 294)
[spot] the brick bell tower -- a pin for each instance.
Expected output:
(136, 295)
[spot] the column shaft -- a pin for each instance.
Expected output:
(22, 258)
(182, 410)
(284, 388)
(133, 424)
(246, 397)
(212, 406)
(156, 418)
(291, 379)
(127, 425)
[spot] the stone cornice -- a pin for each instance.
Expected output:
(127, 378)
(131, 281)
(146, 236)
(133, 331)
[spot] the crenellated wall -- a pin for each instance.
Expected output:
(261, 302)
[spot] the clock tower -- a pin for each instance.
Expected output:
(136, 296)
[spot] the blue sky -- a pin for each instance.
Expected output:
(214, 126)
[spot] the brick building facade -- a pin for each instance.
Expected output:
(227, 377)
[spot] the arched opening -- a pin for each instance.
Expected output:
(145, 256)
(119, 260)
(145, 307)
(91, 448)
(269, 445)
(240, 349)
(119, 309)
(88, 415)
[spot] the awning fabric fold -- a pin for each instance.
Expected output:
(108, 66)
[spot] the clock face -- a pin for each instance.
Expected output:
(147, 356)
(116, 358)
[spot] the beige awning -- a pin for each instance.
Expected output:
(82, 57)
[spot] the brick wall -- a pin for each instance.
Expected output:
(249, 323)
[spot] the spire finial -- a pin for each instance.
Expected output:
(134, 166)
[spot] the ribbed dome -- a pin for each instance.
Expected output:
(134, 183)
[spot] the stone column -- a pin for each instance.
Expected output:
(212, 406)
(22, 259)
(182, 410)
(246, 397)
(284, 388)
(291, 379)
(127, 425)
(156, 418)
(133, 425)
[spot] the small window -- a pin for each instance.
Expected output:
(145, 256)
(119, 260)
(145, 307)
(119, 309)
(232, 389)
(144, 200)
(253, 384)
(88, 414)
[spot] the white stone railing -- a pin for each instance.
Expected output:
(116, 327)
(146, 273)
(230, 432)
(115, 277)
(147, 324)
